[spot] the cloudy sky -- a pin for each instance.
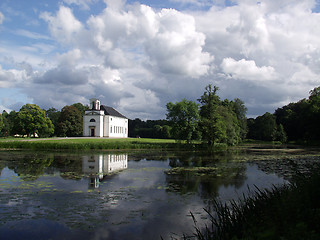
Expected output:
(138, 55)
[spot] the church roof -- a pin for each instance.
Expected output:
(111, 111)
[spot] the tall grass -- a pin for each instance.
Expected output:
(290, 211)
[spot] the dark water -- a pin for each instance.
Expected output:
(115, 195)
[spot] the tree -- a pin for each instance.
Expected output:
(266, 128)
(240, 110)
(230, 129)
(210, 120)
(184, 115)
(300, 120)
(31, 120)
(53, 114)
(82, 108)
(1, 123)
(70, 122)
(9, 125)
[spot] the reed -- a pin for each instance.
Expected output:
(290, 211)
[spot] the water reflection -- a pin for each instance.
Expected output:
(203, 175)
(50, 191)
(99, 166)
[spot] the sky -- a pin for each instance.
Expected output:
(137, 56)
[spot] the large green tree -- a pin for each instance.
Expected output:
(32, 120)
(211, 122)
(221, 121)
(184, 116)
(70, 123)
(238, 107)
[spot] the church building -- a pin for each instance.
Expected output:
(104, 121)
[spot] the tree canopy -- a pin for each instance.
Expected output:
(185, 116)
(300, 120)
(32, 121)
(70, 123)
(212, 120)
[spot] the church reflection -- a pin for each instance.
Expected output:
(98, 166)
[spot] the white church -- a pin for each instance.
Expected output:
(104, 121)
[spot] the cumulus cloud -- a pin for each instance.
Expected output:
(177, 47)
(247, 70)
(64, 26)
(14, 77)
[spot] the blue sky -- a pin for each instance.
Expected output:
(138, 55)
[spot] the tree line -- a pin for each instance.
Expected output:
(214, 120)
(210, 120)
(32, 121)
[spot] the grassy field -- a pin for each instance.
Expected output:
(89, 143)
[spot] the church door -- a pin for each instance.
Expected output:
(92, 132)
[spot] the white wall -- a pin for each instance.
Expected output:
(117, 127)
(104, 125)
(97, 125)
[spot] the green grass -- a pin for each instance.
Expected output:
(88, 143)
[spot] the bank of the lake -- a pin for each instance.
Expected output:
(82, 143)
(290, 211)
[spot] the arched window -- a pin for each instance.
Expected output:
(92, 120)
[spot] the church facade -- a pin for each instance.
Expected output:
(104, 121)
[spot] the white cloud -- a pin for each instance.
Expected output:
(247, 70)
(14, 77)
(64, 26)
(177, 47)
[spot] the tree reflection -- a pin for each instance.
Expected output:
(30, 167)
(205, 174)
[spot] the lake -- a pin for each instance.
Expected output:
(121, 195)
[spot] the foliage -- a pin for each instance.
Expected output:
(82, 108)
(184, 116)
(149, 129)
(54, 115)
(240, 110)
(266, 128)
(8, 123)
(221, 121)
(211, 121)
(300, 120)
(1, 122)
(32, 121)
(70, 122)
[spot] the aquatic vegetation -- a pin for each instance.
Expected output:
(291, 211)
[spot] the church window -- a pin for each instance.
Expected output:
(111, 129)
(92, 120)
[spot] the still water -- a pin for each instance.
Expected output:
(113, 195)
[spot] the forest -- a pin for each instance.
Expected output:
(210, 120)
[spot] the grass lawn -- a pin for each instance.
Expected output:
(88, 143)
